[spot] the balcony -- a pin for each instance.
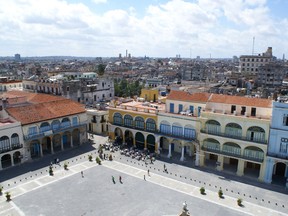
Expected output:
(233, 154)
(278, 155)
(11, 148)
(232, 137)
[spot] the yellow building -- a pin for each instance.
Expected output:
(135, 123)
(150, 95)
(234, 134)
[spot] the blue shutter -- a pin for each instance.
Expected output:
(171, 107)
(180, 108)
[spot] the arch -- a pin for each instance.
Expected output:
(231, 148)
(279, 175)
(66, 139)
(164, 143)
(35, 149)
(75, 120)
(6, 161)
(151, 143)
(15, 143)
(233, 130)
(17, 157)
(254, 153)
(189, 132)
(118, 136)
(4, 144)
(56, 142)
(256, 134)
(128, 121)
(65, 123)
(117, 119)
(129, 138)
(211, 144)
(213, 126)
(55, 125)
(46, 145)
(150, 125)
(140, 140)
(76, 137)
(45, 126)
(165, 127)
(139, 123)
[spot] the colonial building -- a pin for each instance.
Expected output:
(97, 120)
(49, 123)
(12, 151)
(234, 134)
(277, 159)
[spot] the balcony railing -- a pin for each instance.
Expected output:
(233, 136)
(11, 148)
(218, 151)
(54, 130)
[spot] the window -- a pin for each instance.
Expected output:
(4, 143)
(233, 108)
(243, 110)
(117, 119)
(171, 107)
(75, 120)
(283, 145)
(199, 111)
(32, 130)
(164, 128)
(177, 130)
(285, 120)
(180, 108)
(150, 125)
(128, 121)
(67, 88)
(192, 109)
(189, 133)
(139, 123)
(253, 111)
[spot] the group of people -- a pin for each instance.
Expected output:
(120, 180)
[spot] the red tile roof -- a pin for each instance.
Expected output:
(43, 107)
(186, 96)
(239, 100)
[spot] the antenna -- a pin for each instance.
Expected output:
(253, 46)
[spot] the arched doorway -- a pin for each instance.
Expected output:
(6, 161)
(118, 136)
(129, 138)
(66, 140)
(35, 149)
(46, 145)
(57, 143)
(140, 140)
(151, 143)
(76, 137)
(279, 173)
(164, 143)
(17, 157)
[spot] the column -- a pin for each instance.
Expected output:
(0, 166)
(62, 145)
(240, 168)
(134, 142)
(145, 144)
(219, 163)
(41, 150)
(169, 154)
(123, 141)
(12, 160)
(199, 160)
(269, 171)
(182, 154)
(71, 143)
(52, 149)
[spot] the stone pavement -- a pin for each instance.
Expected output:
(10, 208)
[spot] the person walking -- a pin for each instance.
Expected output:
(120, 179)
(148, 171)
(82, 174)
(113, 180)
(144, 178)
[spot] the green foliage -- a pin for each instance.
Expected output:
(101, 69)
(51, 171)
(202, 190)
(239, 201)
(90, 158)
(1, 188)
(65, 166)
(124, 89)
(98, 160)
(8, 196)
(220, 193)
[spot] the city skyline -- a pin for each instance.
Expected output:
(155, 28)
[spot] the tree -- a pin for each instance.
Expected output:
(101, 69)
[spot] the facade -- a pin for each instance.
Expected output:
(49, 123)
(199, 71)
(277, 159)
(7, 85)
(149, 94)
(271, 75)
(234, 134)
(12, 151)
(97, 121)
(250, 63)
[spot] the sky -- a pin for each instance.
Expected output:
(153, 28)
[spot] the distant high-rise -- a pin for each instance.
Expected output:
(120, 55)
(17, 57)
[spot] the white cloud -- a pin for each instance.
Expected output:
(57, 27)
(99, 1)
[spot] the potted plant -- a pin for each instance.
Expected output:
(90, 158)
(1, 188)
(202, 190)
(8, 196)
(51, 171)
(220, 193)
(65, 166)
(98, 160)
(239, 201)
(110, 157)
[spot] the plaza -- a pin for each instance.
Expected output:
(68, 193)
